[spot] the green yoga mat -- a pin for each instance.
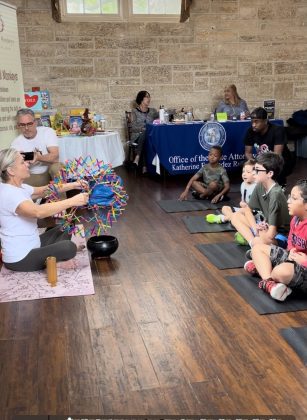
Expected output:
(198, 224)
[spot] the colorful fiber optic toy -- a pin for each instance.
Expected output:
(107, 197)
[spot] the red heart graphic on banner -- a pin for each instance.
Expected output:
(30, 100)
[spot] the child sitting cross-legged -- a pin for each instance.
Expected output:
(266, 214)
(247, 187)
(283, 270)
(215, 181)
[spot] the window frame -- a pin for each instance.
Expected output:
(125, 15)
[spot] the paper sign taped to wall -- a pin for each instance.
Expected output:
(38, 100)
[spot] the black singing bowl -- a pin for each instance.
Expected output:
(102, 246)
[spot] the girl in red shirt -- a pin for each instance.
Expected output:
(283, 270)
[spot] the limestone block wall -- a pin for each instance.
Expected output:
(261, 46)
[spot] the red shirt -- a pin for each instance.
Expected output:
(298, 235)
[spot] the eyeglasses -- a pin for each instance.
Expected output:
(291, 198)
(29, 124)
(256, 170)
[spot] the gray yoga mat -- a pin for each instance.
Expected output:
(297, 339)
(224, 255)
(176, 206)
(247, 287)
(198, 224)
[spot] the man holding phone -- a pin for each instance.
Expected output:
(39, 146)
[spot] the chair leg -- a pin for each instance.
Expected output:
(131, 153)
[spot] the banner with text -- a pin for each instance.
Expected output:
(183, 148)
(11, 82)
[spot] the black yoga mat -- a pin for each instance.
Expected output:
(235, 188)
(247, 287)
(176, 206)
(224, 254)
(297, 339)
(198, 224)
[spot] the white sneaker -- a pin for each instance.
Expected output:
(280, 291)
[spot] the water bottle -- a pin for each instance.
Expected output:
(242, 115)
(161, 113)
(166, 116)
(189, 116)
(103, 124)
(212, 116)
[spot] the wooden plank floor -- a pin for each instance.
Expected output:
(164, 333)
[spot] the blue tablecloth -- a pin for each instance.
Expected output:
(183, 148)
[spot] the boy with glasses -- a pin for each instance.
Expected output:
(43, 143)
(268, 200)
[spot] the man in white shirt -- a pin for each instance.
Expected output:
(43, 142)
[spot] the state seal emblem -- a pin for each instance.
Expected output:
(211, 134)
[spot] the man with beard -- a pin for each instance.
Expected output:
(265, 136)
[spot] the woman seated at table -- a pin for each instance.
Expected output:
(23, 249)
(232, 104)
(141, 115)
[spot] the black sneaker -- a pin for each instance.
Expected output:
(248, 254)
(196, 195)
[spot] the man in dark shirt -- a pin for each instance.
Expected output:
(265, 136)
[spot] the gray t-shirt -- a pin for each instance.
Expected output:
(217, 174)
(272, 204)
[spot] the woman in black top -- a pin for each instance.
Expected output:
(141, 115)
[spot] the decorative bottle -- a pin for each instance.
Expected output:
(51, 271)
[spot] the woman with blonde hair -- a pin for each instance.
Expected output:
(232, 104)
(23, 248)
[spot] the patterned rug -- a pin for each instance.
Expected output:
(76, 281)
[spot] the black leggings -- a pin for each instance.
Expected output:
(54, 243)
